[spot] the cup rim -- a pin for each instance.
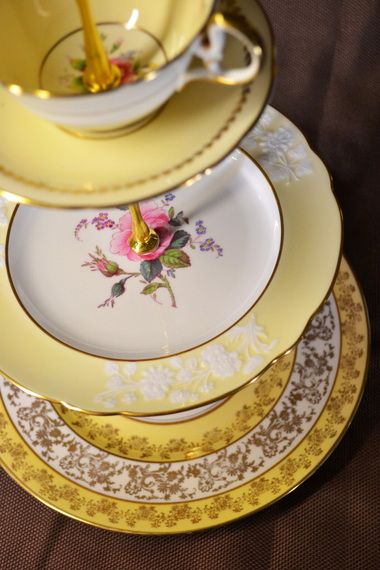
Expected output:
(18, 90)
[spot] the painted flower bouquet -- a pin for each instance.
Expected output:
(156, 270)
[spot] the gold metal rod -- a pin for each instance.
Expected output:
(99, 74)
(144, 239)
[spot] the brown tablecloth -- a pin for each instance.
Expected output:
(329, 85)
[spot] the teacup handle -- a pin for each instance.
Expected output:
(212, 54)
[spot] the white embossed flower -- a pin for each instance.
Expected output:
(111, 367)
(276, 141)
(206, 387)
(221, 362)
(114, 382)
(129, 397)
(187, 371)
(253, 138)
(182, 397)
(252, 364)
(266, 118)
(130, 368)
(155, 382)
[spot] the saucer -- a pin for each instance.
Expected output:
(275, 455)
(304, 276)
(194, 131)
(229, 224)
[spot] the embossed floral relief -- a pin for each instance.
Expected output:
(280, 151)
(261, 397)
(270, 440)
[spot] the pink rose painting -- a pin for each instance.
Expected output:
(155, 218)
(128, 62)
(155, 270)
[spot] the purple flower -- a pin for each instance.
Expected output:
(207, 245)
(101, 221)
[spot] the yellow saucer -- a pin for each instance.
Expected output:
(304, 276)
(290, 441)
(200, 126)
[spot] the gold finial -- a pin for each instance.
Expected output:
(144, 239)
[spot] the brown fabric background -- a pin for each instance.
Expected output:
(329, 85)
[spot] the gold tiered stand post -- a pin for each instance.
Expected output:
(98, 76)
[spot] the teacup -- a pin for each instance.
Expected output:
(42, 58)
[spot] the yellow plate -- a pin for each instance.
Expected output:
(305, 273)
(41, 164)
(291, 440)
(211, 431)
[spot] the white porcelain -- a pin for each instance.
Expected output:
(221, 247)
(181, 416)
(161, 42)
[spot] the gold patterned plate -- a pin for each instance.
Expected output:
(91, 483)
(312, 231)
(194, 131)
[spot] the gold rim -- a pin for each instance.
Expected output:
(17, 90)
(251, 508)
(51, 335)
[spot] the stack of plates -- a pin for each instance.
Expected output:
(207, 381)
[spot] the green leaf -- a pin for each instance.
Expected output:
(78, 64)
(150, 269)
(175, 258)
(179, 220)
(123, 208)
(151, 288)
(119, 288)
(179, 239)
(171, 212)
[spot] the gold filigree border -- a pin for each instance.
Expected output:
(52, 489)
(139, 447)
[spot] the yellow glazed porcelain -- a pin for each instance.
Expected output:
(94, 293)
(196, 129)
(182, 439)
(306, 271)
(43, 60)
(281, 442)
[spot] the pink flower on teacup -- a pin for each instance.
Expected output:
(127, 68)
(156, 218)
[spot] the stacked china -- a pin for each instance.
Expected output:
(178, 317)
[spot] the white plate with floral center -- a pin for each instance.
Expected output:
(312, 231)
(209, 472)
(220, 243)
